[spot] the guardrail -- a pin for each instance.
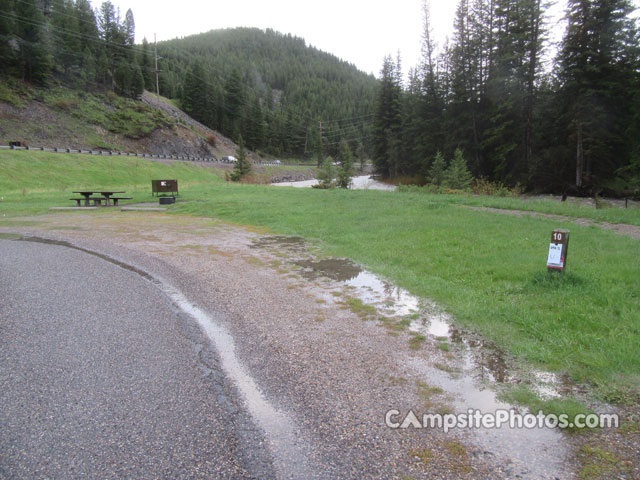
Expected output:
(109, 153)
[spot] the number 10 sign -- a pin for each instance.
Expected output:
(557, 259)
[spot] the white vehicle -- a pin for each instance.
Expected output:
(230, 159)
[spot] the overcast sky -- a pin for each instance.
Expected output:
(361, 32)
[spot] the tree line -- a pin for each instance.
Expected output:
(572, 127)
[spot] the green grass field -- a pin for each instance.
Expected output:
(488, 270)
(31, 182)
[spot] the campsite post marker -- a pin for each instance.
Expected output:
(558, 250)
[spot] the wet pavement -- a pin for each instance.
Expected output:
(102, 377)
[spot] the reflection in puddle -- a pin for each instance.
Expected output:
(477, 363)
(337, 269)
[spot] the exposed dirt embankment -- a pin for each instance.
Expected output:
(222, 145)
(68, 119)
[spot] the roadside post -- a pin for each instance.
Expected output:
(558, 251)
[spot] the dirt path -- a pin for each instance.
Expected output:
(313, 350)
(622, 228)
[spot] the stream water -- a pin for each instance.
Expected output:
(363, 182)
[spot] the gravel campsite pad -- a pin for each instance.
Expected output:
(324, 359)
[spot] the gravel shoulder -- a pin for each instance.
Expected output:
(311, 355)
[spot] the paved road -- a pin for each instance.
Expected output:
(101, 377)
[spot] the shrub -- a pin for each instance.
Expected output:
(482, 186)
(66, 104)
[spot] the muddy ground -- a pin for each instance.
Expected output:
(333, 363)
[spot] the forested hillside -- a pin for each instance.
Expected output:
(281, 95)
(572, 126)
(47, 41)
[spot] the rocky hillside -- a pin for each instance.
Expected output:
(60, 117)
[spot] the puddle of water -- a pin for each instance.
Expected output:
(538, 453)
(534, 453)
(389, 299)
(280, 431)
(334, 268)
(363, 182)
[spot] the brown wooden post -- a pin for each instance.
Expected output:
(558, 251)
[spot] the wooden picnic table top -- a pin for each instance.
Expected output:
(106, 193)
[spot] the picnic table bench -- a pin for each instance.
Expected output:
(106, 197)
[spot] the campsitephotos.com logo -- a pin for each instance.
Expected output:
(475, 419)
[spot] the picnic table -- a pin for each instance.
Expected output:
(106, 196)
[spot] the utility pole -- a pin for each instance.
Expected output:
(155, 51)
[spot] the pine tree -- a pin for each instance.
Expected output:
(431, 107)
(326, 174)
(88, 68)
(463, 123)
(129, 30)
(457, 175)
(437, 170)
(243, 164)
(509, 71)
(598, 70)
(194, 99)
(254, 127)
(234, 102)
(146, 66)
(103, 71)
(87, 29)
(387, 121)
(34, 59)
(8, 43)
(67, 44)
(345, 172)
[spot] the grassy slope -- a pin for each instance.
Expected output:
(486, 269)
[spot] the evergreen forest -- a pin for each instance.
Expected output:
(562, 118)
(498, 95)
